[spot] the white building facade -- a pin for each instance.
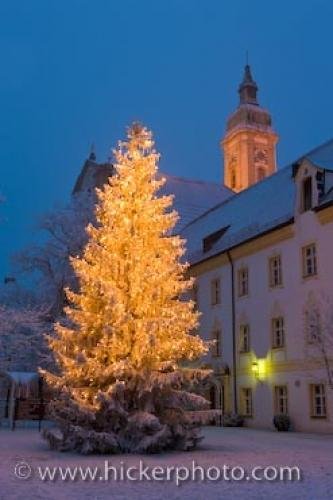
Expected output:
(263, 263)
(262, 259)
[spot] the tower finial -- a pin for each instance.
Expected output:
(246, 58)
(92, 155)
(248, 88)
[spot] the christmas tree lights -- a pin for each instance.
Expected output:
(128, 332)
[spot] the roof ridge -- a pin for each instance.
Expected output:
(196, 181)
(237, 195)
(313, 150)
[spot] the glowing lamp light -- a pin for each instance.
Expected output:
(259, 369)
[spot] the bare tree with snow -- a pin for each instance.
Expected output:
(30, 302)
(22, 338)
(47, 264)
(318, 326)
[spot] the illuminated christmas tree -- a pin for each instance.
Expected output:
(124, 379)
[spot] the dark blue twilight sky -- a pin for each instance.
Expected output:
(77, 71)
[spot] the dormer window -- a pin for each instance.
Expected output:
(320, 178)
(307, 194)
(311, 185)
(209, 241)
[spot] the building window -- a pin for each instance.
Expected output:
(281, 399)
(307, 194)
(216, 337)
(278, 332)
(275, 271)
(318, 400)
(215, 291)
(244, 338)
(243, 282)
(246, 402)
(309, 256)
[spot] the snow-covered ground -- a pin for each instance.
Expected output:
(247, 448)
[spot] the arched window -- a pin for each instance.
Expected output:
(233, 179)
(261, 173)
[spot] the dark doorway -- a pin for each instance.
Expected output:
(212, 397)
(307, 194)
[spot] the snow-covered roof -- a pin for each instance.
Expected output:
(22, 378)
(207, 207)
(259, 208)
(193, 198)
(322, 156)
(254, 211)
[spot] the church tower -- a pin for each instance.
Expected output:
(249, 142)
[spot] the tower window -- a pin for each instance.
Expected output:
(261, 173)
(233, 179)
(307, 194)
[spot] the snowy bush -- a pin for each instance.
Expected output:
(232, 420)
(281, 422)
(139, 415)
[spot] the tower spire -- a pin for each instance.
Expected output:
(249, 142)
(248, 88)
(92, 155)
